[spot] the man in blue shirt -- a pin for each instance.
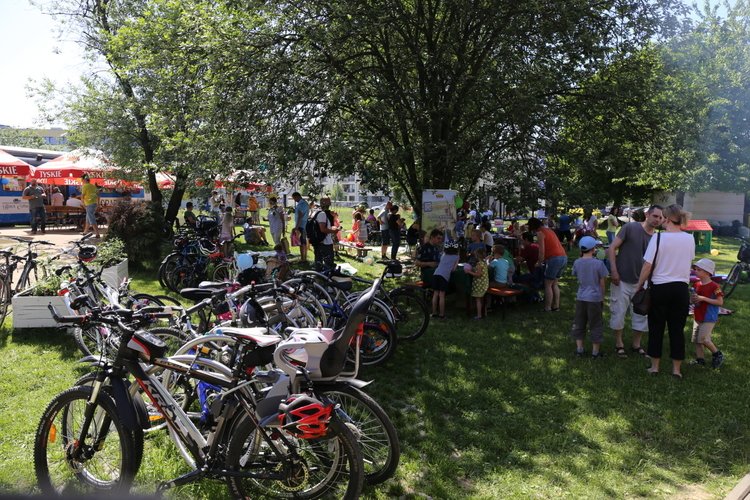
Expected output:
(301, 214)
(563, 230)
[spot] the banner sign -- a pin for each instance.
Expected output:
(438, 210)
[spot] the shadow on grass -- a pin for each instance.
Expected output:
(498, 408)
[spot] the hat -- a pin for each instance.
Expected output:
(587, 243)
(707, 265)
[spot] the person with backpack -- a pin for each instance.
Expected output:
(385, 234)
(320, 234)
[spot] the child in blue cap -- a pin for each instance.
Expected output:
(591, 273)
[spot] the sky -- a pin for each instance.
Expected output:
(30, 49)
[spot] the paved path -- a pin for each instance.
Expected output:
(62, 238)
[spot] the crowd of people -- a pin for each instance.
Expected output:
(632, 259)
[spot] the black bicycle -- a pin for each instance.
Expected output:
(740, 270)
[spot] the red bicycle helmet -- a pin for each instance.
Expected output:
(87, 253)
(304, 416)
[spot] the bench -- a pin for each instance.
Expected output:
(60, 216)
(503, 294)
(347, 246)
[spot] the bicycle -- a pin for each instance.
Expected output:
(29, 275)
(275, 450)
(736, 273)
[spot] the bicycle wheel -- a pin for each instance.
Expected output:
(378, 340)
(330, 467)
(88, 380)
(732, 279)
(411, 314)
(93, 340)
(72, 463)
(222, 273)
(4, 300)
(375, 433)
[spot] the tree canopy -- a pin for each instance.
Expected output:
(575, 100)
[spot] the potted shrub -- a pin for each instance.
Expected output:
(30, 309)
(112, 250)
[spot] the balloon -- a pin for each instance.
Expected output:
(714, 252)
(459, 202)
(4, 181)
(369, 260)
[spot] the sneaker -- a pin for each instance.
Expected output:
(718, 359)
(698, 362)
(579, 354)
(597, 355)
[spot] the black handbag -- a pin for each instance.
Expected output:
(642, 298)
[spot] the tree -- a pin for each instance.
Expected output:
(630, 130)
(20, 138)
(715, 55)
(435, 94)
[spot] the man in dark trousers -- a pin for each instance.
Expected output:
(324, 249)
(35, 195)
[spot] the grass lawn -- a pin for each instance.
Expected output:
(484, 409)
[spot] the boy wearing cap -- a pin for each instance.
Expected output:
(707, 297)
(591, 274)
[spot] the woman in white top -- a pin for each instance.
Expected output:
(670, 296)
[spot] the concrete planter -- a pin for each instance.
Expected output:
(114, 275)
(31, 311)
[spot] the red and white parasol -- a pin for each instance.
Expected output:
(13, 167)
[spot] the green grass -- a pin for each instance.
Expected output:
(490, 409)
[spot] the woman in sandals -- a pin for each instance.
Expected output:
(670, 295)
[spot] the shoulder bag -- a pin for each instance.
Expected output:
(642, 298)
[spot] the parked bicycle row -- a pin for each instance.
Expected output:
(255, 383)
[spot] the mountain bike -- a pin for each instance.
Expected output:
(88, 436)
(740, 270)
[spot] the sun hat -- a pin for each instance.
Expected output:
(587, 243)
(707, 265)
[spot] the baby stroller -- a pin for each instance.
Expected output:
(373, 234)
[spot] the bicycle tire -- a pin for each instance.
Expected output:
(88, 380)
(732, 279)
(338, 470)
(379, 340)
(222, 273)
(411, 314)
(92, 340)
(4, 300)
(78, 472)
(375, 433)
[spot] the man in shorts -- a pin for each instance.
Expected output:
(301, 213)
(626, 260)
(90, 198)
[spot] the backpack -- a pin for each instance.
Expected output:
(314, 235)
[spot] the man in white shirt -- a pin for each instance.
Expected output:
(73, 201)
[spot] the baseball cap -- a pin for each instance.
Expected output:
(587, 243)
(707, 265)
